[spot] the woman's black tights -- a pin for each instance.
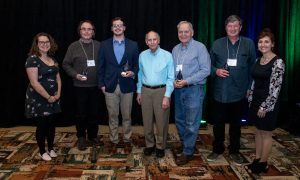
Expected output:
(45, 128)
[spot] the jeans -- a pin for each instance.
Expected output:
(188, 113)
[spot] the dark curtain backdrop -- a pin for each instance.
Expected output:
(22, 19)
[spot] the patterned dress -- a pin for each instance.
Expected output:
(35, 104)
(267, 81)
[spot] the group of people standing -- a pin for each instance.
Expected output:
(113, 66)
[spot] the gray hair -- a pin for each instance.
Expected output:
(146, 37)
(233, 18)
(186, 22)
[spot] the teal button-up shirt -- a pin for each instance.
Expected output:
(156, 69)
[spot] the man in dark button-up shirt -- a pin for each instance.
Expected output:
(232, 58)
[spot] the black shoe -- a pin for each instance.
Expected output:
(183, 159)
(160, 153)
(260, 167)
(81, 144)
(252, 165)
(96, 142)
(148, 151)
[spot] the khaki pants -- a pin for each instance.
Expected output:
(154, 113)
(114, 101)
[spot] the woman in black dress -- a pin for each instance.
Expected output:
(43, 92)
(267, 77)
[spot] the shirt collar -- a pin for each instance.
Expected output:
(155, 52)
(188, 44)
(235, 43)
(118, 42)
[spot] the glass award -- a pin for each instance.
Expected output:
(179, 76)
(126, 68)
(226, 67)
(84, 74)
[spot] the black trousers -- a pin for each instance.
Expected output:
(87, 105)
(45, 128)
(231, 113)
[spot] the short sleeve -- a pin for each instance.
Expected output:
(31, 62)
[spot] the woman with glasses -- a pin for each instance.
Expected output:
(43, 92)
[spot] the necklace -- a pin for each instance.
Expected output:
(264, 60)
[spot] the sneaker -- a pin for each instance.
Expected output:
(237, 158)
(81, 144)
(52, 153)
(212, 156)
(45, 157)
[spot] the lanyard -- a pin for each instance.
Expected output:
(240, 39)
(182, 56)
(85, 52)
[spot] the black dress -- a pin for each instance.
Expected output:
(35, 104)
(267, 81)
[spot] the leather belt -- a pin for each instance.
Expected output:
(154, 87)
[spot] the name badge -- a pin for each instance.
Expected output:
(179, 67)
(91, 63)
(231, 62)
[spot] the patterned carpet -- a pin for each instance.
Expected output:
(19, 159)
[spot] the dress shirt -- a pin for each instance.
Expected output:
(195, 62)
(156, 69)
(234, 87)
(119, 49)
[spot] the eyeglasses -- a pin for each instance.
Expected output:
(86, 29)
(117, 25)
(43, 42)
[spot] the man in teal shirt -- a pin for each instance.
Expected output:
(154, 88)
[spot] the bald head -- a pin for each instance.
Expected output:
(152, 40)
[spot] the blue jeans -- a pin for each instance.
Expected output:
(188, 112)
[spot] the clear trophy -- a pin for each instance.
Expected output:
(226, 67)
(84, 74)
(179, 76)
(126, 68)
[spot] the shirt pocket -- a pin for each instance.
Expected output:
(242, 61)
